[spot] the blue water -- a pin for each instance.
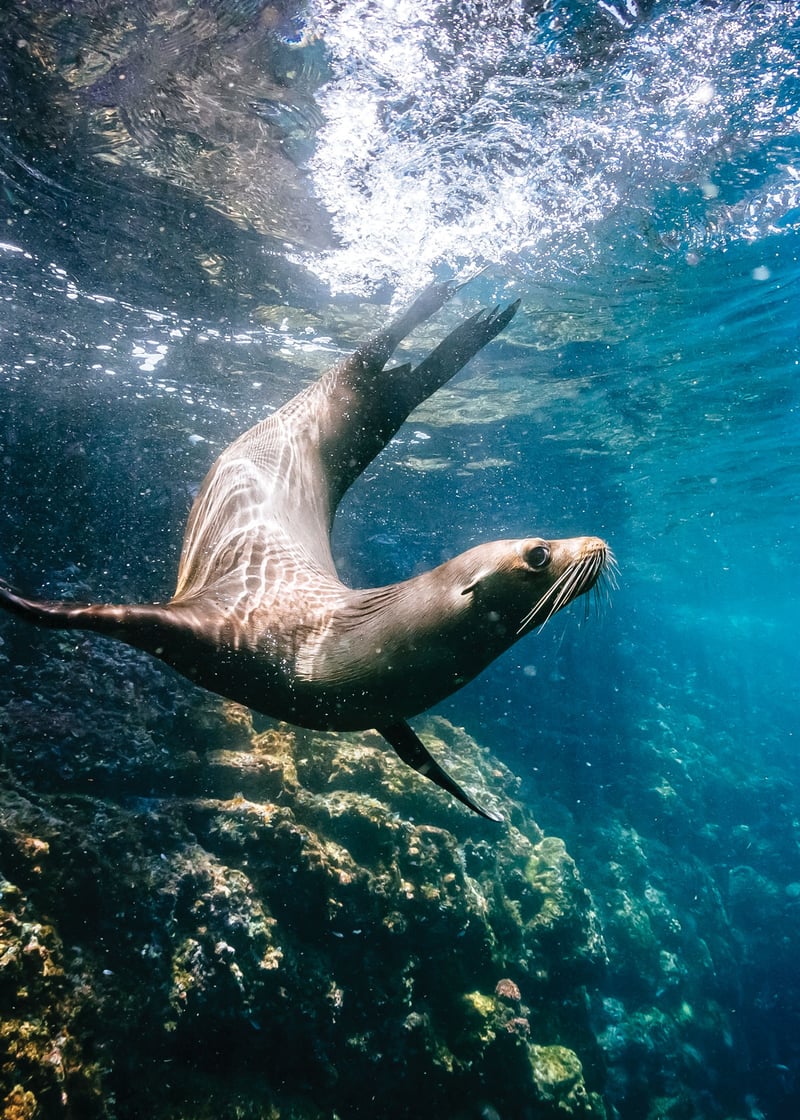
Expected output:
(632, 173)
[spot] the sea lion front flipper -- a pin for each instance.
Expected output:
(417, 755)
(359, 405)
(392, 394)
(373, 353)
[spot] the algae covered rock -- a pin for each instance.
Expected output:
(282, 923)
(558, 1075)
(45, 1064)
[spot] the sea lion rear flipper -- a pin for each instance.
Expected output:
(417, 755)
(453, 353)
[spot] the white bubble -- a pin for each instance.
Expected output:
(709, 189)
(761, 273)
(703, 94)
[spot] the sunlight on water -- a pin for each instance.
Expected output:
(519, 143)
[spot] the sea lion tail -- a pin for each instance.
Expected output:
(417, 755)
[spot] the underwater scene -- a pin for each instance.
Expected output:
(514, 833)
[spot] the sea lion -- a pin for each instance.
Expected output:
(259, 613)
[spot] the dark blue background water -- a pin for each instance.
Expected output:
(633, 174)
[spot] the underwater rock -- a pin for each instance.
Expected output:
(559, 1079)
(44, 1063)
(261, 921)
(277, 922)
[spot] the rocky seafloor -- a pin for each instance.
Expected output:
(204, 919)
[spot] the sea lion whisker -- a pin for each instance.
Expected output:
(591, 602)
(572, 589)
(612, 577)
(599, 593)
(579, 577)
(564, 591)
(551, 591)
(606, 583)
(606, 580)
(560, 593)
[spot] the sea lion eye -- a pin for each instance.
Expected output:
(538, 557)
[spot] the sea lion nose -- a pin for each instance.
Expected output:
(593, 546)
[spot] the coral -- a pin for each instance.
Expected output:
(507, 990)
(43, 1065)
(19, 1104)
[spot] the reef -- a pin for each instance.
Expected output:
(202, 918)
(199, 918)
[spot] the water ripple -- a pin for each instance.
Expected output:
(515, 140)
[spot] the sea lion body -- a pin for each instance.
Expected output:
(348, 660)
(260, 615)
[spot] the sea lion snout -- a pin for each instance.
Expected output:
(520, 584)
(563, 570)
(579, 550)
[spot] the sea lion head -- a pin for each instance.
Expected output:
(516, 585)
(397, 650)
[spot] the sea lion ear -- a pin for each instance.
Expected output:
(474, 583)
(478, 570)
(474, 576)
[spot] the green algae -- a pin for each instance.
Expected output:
(558, 1075)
